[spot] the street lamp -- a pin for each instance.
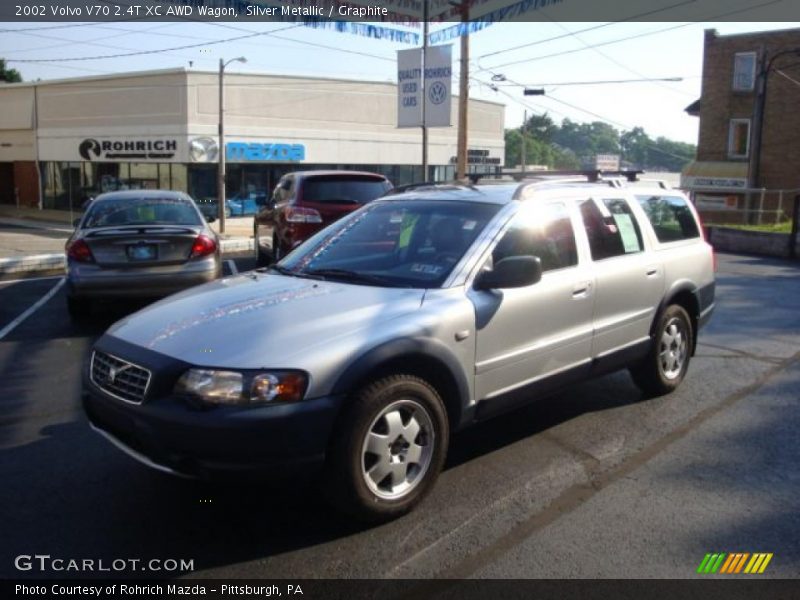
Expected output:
(221, 169)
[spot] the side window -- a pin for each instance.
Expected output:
(611, 228)
(545, 232)
(671, 217)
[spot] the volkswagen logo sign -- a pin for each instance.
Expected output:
(203, 149)
(437, 92)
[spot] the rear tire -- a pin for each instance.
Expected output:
(665, 366)
(388, 449)
(79, 309)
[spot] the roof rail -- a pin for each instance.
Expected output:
(591, 175)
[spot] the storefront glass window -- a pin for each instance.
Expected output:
(143, 176)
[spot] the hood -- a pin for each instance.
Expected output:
(257, 320)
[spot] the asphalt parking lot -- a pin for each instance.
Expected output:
(593, 482)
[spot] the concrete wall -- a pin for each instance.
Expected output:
(750, 242)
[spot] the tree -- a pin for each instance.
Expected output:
(9, 75)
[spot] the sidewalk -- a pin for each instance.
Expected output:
(32, 240)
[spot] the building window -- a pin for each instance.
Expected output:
(744, 71)
(739, 138)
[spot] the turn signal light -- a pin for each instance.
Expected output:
(79, 251)
(203, 246)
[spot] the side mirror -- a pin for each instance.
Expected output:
(511, 272)
(210, 218)
(76, 222)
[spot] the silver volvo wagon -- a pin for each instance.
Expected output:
(356, 356)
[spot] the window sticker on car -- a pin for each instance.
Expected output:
(469, 225)
(630, 241)
(427, 269)
(407, 228)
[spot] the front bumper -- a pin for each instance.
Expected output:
(167, 434)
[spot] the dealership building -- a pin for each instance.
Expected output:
(159, 129)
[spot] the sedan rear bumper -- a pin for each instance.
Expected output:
(93, 281)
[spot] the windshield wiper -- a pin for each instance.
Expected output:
(290, 273)
(354, 276)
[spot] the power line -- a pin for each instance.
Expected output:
(595, 82)
(627, 38)
(144, 52)
(593, 28)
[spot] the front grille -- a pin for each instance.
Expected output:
(119, 378)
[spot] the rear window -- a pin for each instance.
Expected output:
(671, 217)
(115, 212)
(341, 190)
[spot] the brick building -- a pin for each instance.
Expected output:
(751, 81)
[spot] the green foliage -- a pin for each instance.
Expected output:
(9, 75)
(567, 145)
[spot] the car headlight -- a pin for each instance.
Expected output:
(235, 388)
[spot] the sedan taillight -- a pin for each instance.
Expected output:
(203, 246)
(299, 214)
(79, 250)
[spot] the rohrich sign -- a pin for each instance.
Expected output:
(129, 149)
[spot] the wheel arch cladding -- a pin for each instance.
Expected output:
(428, 359)
(683, 294)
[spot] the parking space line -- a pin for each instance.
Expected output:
(32, 309)
(232, 266)
(7, 281)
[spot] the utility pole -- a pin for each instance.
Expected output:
(522, 131)
(424, 91)
(221, 152)
(463, 91)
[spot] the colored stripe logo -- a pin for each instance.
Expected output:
(734, 563)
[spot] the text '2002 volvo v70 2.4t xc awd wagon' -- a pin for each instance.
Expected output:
(414, 316)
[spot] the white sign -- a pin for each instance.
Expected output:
(409, 88)
(690, 182)
(438, 82)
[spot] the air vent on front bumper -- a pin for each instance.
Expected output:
(121, 379)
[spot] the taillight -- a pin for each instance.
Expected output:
(299, 214)
(203, 246)
(79, 251)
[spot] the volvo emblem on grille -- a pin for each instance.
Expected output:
(114, 371)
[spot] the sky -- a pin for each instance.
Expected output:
(499, 68)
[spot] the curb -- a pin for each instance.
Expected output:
(51, 262)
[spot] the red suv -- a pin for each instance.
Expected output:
(306, 201)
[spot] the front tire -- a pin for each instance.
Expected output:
(261, 259)
(388, 449)
(665, 366)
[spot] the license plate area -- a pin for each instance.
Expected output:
(142, 252)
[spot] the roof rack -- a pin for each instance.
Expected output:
(591, 175)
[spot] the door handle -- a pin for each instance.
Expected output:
(651, 271)
(581, 289)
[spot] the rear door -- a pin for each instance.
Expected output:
(526, 335)
(629, 278)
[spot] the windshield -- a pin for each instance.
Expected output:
(409, 243)
(122, 211)
(336, 189)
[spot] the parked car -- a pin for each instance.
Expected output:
(305, 202)
(138, 243)
(245, 204)
(418, 315)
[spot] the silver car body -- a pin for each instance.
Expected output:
(575, 322)
(111, 272)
